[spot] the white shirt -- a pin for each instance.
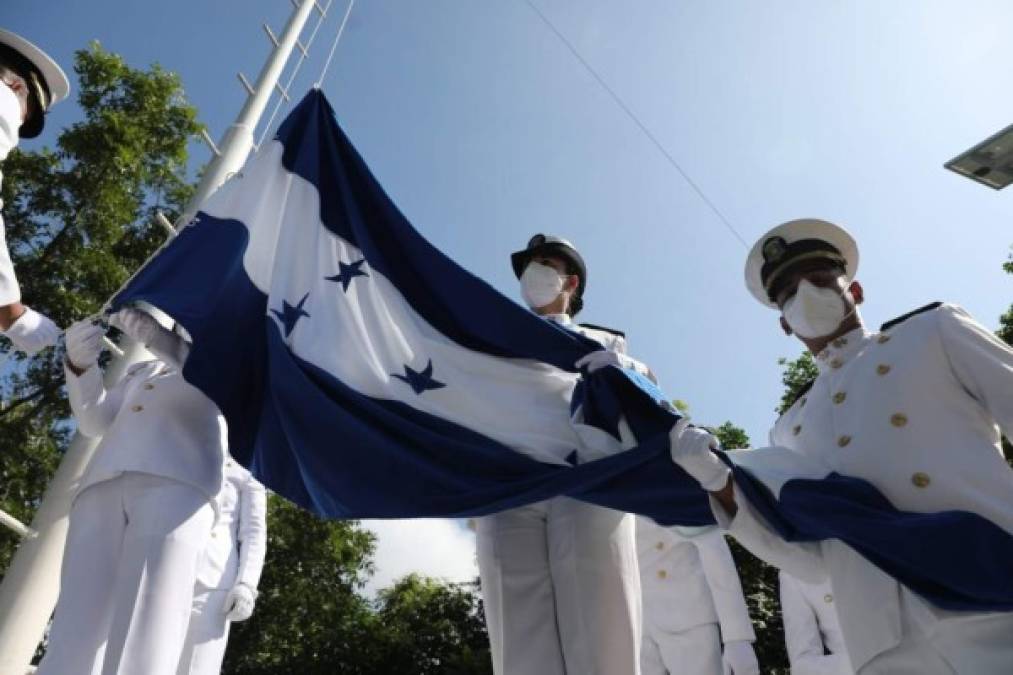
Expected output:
(916, 411)
(152, 421)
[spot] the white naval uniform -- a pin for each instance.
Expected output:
(234, 555)
(916, 411)
(693, 599)
(559, 580)
(138, 525)
(812, 633)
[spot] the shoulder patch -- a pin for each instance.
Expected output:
(613, 331)
(904, 317)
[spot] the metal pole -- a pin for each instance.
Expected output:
(238, 139)
(32, 582)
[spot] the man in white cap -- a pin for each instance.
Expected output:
(812, 633)
(144, 511)
(915, 409)
(559, 578)
(695, 617)
(229, 571)
(30, 84)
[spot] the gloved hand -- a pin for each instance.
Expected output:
(33, 332)
(84, 344)
(140, 326)
(239, 602)
(739, 658)
(145, 329)
(602, 358)
(691, 449)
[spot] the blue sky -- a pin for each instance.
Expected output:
(485, 130)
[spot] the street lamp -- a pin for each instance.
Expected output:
(990, 162)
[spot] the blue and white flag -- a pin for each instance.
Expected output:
(364, 374)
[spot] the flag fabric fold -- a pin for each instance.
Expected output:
(364, 374)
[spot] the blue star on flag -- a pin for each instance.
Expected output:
(290, 315)
(347, 272)
(420, 381)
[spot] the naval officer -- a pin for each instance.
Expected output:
(229, 571)
(916, 409)
(695, 617)
(812, 633)
(559, 577)
(30, 84)
(144, 511)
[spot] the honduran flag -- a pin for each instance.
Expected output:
(364, 374)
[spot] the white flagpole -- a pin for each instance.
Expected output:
(32, 582)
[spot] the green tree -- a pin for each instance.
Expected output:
(759, 582)
(1006, 320)
(78, 221)
(432, 628)
(310, 617)
(798, 374)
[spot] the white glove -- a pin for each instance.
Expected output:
(602, 358)
(145, 329)
(84, 344)
(33, 332)
(739, 658)
(239, 602)
(691, 449)
(140, 326)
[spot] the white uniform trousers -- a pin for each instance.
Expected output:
(561, 589)
(695, 651)
(126, 586)
(208, 635)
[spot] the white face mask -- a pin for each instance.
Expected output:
(540, 285)
(10, 120)
(815, 312)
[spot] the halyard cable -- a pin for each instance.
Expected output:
(636, 120)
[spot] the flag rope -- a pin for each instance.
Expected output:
(636, 120)
(334, 45)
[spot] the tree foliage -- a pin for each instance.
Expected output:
(798, 374)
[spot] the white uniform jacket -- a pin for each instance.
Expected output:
(152, 421)
(235, 552)
(690, 581)
(916, 411)
(811, 629)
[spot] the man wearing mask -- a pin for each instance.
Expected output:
(695, 617)
(559, 578)
(915, 409)
(30, 84)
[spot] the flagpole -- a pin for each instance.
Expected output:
(31, 584)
